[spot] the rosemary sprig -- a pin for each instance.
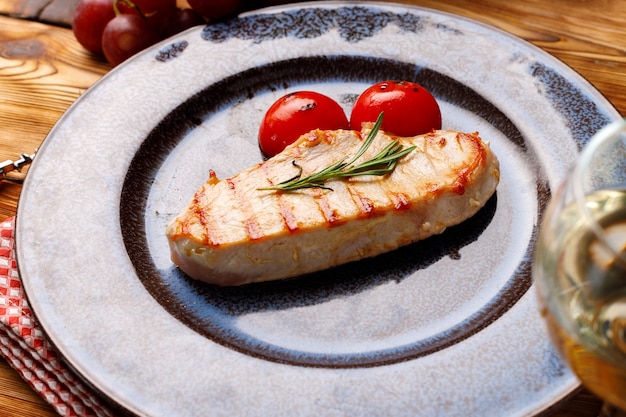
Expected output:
(383, 163)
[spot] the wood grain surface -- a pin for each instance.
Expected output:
(43, 71)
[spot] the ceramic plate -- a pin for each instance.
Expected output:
(447, 327)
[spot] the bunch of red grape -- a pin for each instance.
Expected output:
(119, 29)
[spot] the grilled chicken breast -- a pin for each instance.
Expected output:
(233, 232)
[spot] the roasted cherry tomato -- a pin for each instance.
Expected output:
(295, 114)
(409, 109)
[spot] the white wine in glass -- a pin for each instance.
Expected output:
(580, 267)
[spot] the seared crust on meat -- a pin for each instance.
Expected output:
(234, 233)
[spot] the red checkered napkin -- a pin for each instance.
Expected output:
(25, 348)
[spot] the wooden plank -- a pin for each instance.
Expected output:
(17, 399)
(43, 70)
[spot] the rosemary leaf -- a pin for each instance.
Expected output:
(381, 164)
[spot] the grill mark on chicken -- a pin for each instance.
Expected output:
(251, 223)
(201, 210)
(286, 212)
(364, 204)
(325, 208)
(204, 219)
(397, 199)
(285, 209)
(464, 173)
(400, 201)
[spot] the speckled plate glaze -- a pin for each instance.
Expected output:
(446, 327)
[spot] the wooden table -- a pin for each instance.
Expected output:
(43, 71)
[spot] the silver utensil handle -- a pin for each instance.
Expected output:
(12, 170)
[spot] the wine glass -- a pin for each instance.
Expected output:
(580, 267)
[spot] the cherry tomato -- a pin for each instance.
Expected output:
(409, 109)
(295, 114)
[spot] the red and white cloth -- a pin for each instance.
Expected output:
(24, 345)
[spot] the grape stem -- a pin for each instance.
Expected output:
(129, 4)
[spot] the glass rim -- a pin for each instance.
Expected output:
(612, 130)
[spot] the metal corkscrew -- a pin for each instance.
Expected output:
(12, 170)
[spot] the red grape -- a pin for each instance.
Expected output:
(89, 21)
(185, 19)
(120, 28)
(126, 35)
(168, 22)
(216, 9)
